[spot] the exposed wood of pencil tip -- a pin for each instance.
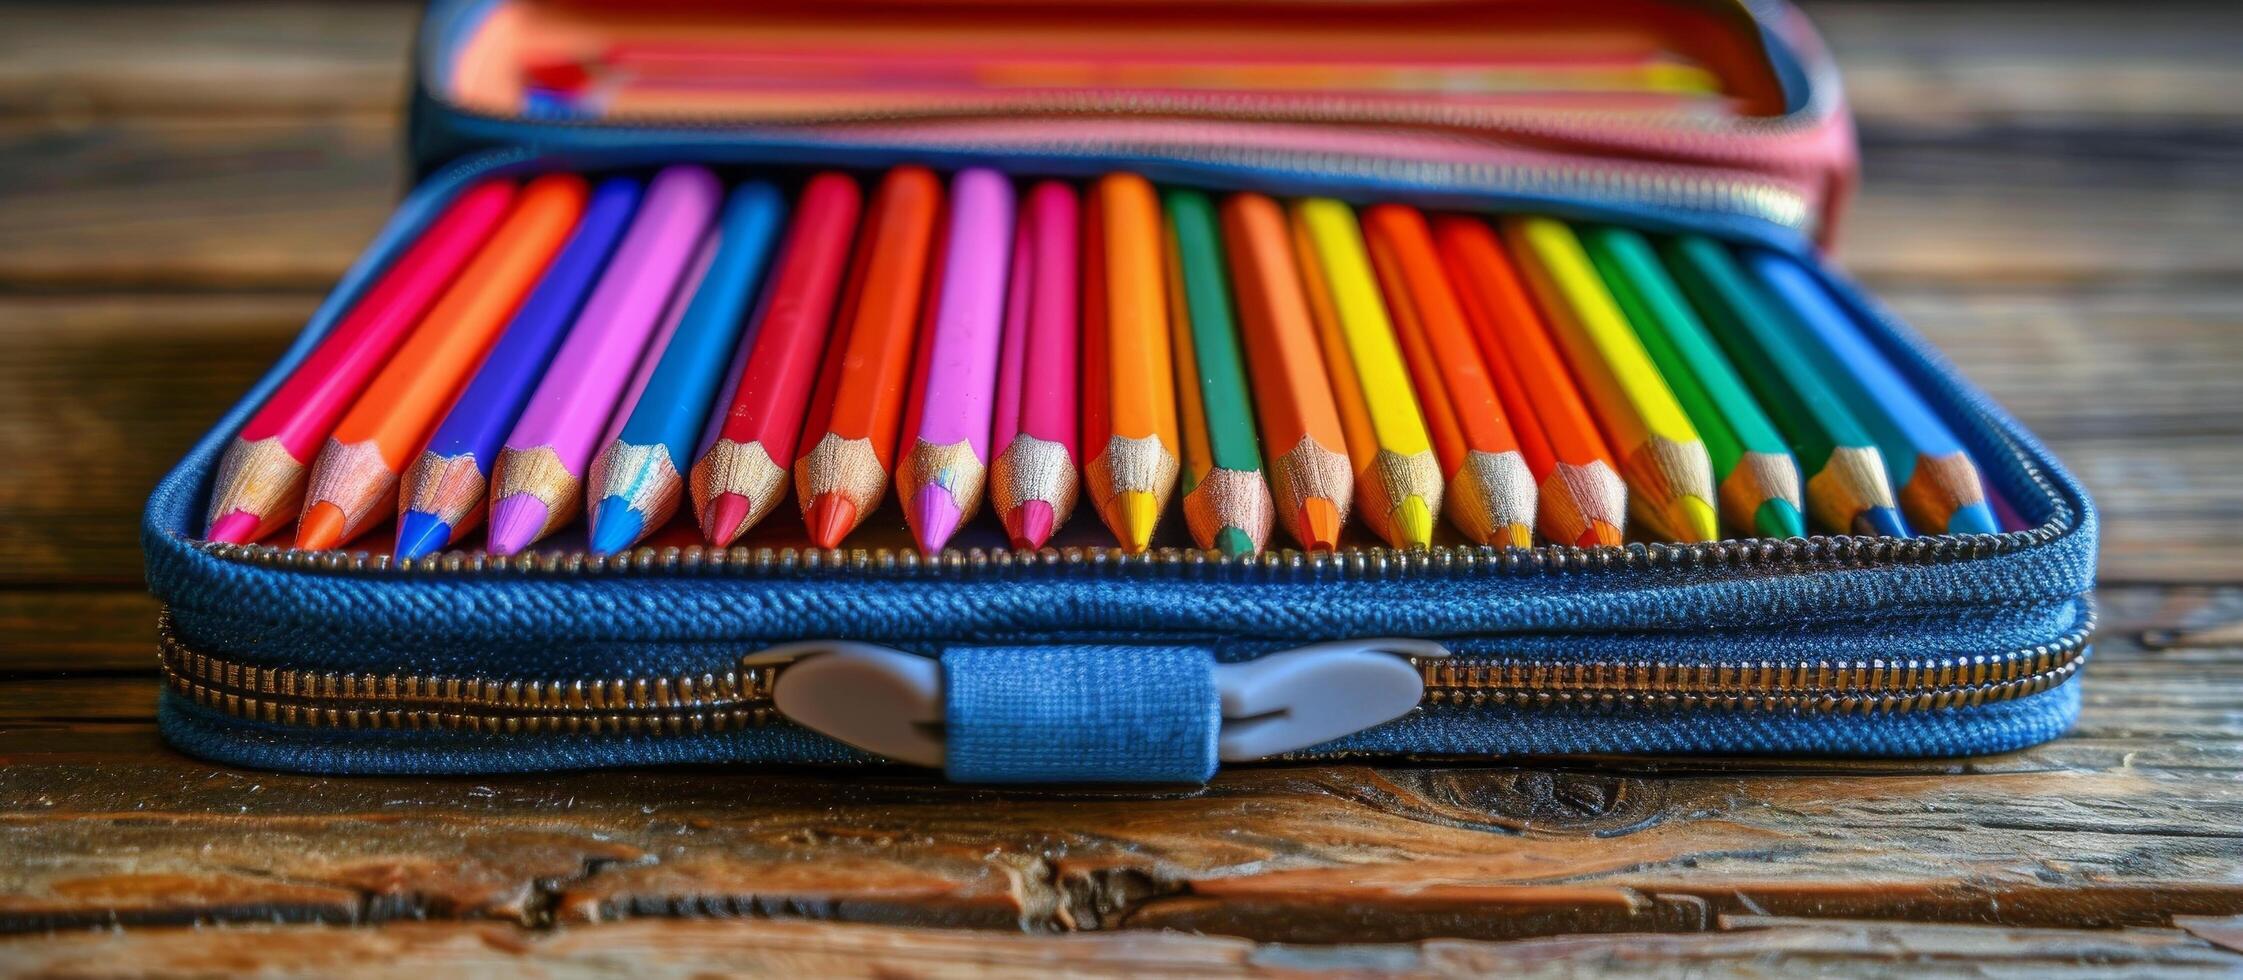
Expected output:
(642, 476)
(1126, 468)
(1229, 499)
(354, 479)
(1307, 473)
(1939, 486)
(1758, 478)
(849, 468)
(538, 473)
(1671, 487)
(448, 487)
(1034, 469)
(1851, 482)
(1585, 506)
(257, 477)
(1399, 496)
(951, 466)
(1492, 499)
(741, 469)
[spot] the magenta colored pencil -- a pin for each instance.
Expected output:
(940, 474)
(1033, 481)
(536, 483)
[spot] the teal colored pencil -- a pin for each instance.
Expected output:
(637, 481)
(1226, 497)
(1936, 481)
(1760, 487)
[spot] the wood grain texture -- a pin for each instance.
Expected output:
(2050, 198)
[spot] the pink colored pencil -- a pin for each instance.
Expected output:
(1033, 481)
(260, 482)
(536, 482)
(940, 474)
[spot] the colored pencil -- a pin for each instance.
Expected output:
(638, 478)
(354, 480)
(742, 474)
(260, 480)
(1227, 502)
(1033, 481)
(443, 493)
(1130, 427)
(1937, 484)
(1582, 500)
(538, 480)
(1397, 477)
(1670, 476)
(1847, 489)
(1311, 478)
(1760, 491)
(939, 476)
(1491, 494)
(854, 417)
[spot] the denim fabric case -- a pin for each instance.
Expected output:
(1083, 664)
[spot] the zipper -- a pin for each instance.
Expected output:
(740, 696)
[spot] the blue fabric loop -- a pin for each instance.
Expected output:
(1092, 713)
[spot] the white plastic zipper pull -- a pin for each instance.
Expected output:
(890, 703)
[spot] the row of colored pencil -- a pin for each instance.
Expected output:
(625, 349)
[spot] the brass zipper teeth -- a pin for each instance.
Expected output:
(691, 704)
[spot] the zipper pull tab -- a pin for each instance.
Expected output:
(891, 703)
(1288, 701)
(884, 701)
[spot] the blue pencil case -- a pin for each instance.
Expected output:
(1078, 662)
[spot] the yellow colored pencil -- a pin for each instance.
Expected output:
(1397, 479)
(1669, 474)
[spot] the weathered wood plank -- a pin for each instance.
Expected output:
(198, 205)
(98, 397)
(1775, 946)
(2136, 818)
(69, 62)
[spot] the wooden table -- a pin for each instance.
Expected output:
(2052, 195)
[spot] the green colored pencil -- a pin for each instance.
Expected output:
(1759, 478)
(1226, 499)
(1847, 490)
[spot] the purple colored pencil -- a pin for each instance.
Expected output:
(940, 475)
(536, 485)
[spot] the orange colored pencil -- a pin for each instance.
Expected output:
(857, 410)
(354, 480)
(1133, 462)
(1582, 500)
(1491, 493)
(1307, 459)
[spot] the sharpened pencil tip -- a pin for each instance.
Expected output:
(234, 528)
(1779, 519)
(421, 534)
(1601, 534)
(1138, 512)
(1976, 518)
(516, 523)
(1413, 523)
(725, 519)
(616, 526)
(830, 519)
(934, 517)
(1234, 541)
(1694, 519)
(1516, 536)
(1029, 525)
(321, 527)
(1322, 517)
(1881, 522)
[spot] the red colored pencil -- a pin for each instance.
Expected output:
(260, 482)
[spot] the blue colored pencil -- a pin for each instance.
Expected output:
(1937, 485)
(638, 478)
(442, 494)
